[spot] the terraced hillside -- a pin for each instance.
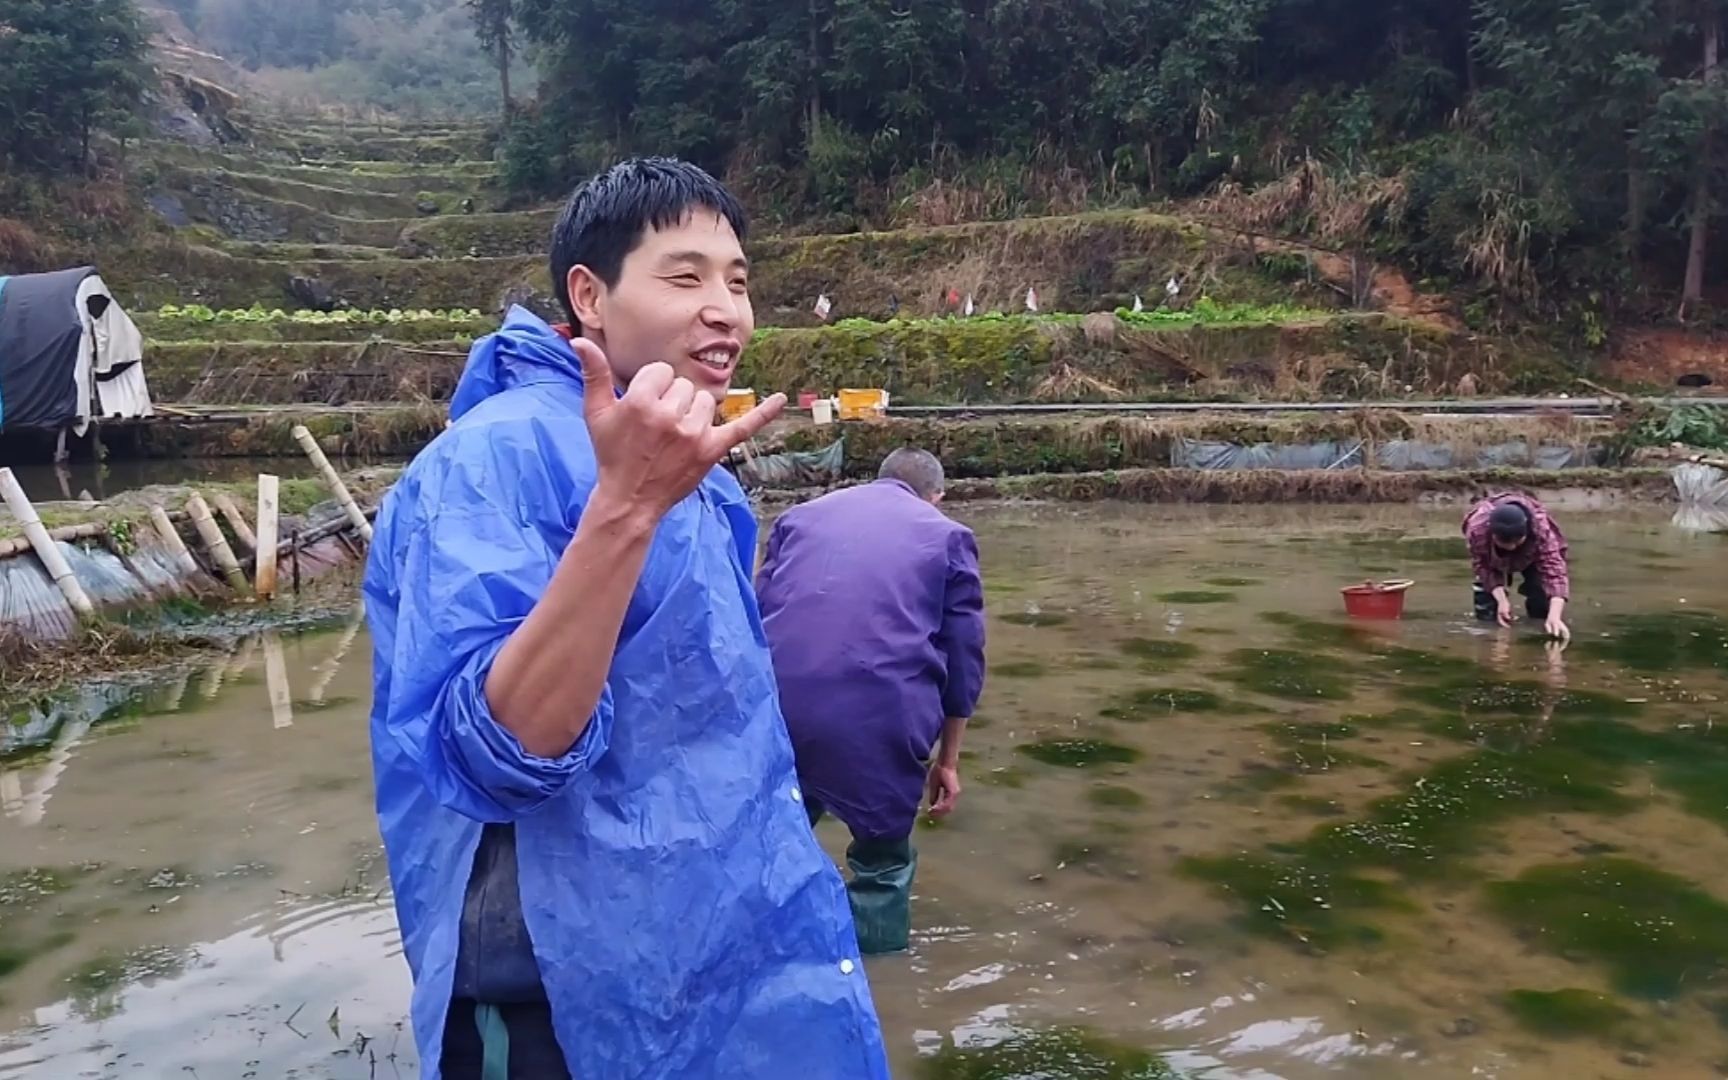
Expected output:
(344, 273)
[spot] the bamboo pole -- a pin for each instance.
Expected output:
(17, 545)
(215, 543)
(236, 520)
(52, 560)
(171, 536)
(264, 578)
(322, 463)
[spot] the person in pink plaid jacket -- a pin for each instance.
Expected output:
(1513, 534)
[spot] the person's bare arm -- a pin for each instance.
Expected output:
(653, 447)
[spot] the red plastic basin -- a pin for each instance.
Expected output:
(1375, 601)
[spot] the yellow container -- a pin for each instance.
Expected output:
(737, 403)
(863, 404)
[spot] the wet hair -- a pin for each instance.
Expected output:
(608, 214)
(1509, 521)
(918, 469)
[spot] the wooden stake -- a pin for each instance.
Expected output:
(322, 463)
(264, 579)
(52, 560)
(215, 543)
(171, 536)
(236, 521)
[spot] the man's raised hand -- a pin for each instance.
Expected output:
(656, 442)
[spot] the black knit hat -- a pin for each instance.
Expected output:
(1509, 521)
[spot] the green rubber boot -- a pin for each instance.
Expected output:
(881, 893)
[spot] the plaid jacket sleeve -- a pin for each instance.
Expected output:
(1551, 558)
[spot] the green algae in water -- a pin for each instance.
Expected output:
(1008, 776)
(1115, 797)
(1445, 809)
(1078, 753)
(1431, 549)
(1312, 746)
(1160, 649)
(1231, 582)
(1196, 596)
(1019, 669)
(1060, 1054)
(1649, 928)
(1419, 662)
(1515, 698)
(1318, 633)
(1292, 899)
(1563, 1013)
(1098, 857)
(1282, 673)
(1669, 641)
(24, 889)
(14, 957)
(1096, 663)
(97, 985)
(1156, 702)
(1034, 618)
(1315, 889)
(1311, 804)
(1415, 719)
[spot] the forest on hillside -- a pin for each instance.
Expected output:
(413, 57)
(1545, 150)
(1566, 159)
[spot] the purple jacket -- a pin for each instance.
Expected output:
(874, 612)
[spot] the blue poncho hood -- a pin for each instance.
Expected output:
(525, 349)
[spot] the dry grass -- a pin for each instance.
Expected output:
(1064, 383)
(1311, 199)
(1099, 329)
(1049, 183)
(106, 202)
(21, 249)
(1498, 248)
(99, 647)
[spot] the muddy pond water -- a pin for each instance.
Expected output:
(96, 481)
(1204, 819)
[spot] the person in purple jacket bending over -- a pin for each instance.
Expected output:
(874, 612)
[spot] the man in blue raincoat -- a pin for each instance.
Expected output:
(600, 856)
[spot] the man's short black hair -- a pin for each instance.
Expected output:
(608, 213)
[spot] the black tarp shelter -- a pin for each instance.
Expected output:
(67, 353)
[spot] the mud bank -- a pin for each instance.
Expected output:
(1584, 488)
(1380, 439)
(156, 600)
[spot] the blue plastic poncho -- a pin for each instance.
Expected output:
(685, 921)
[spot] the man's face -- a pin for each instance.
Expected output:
(682, 298)
(1512, 544)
